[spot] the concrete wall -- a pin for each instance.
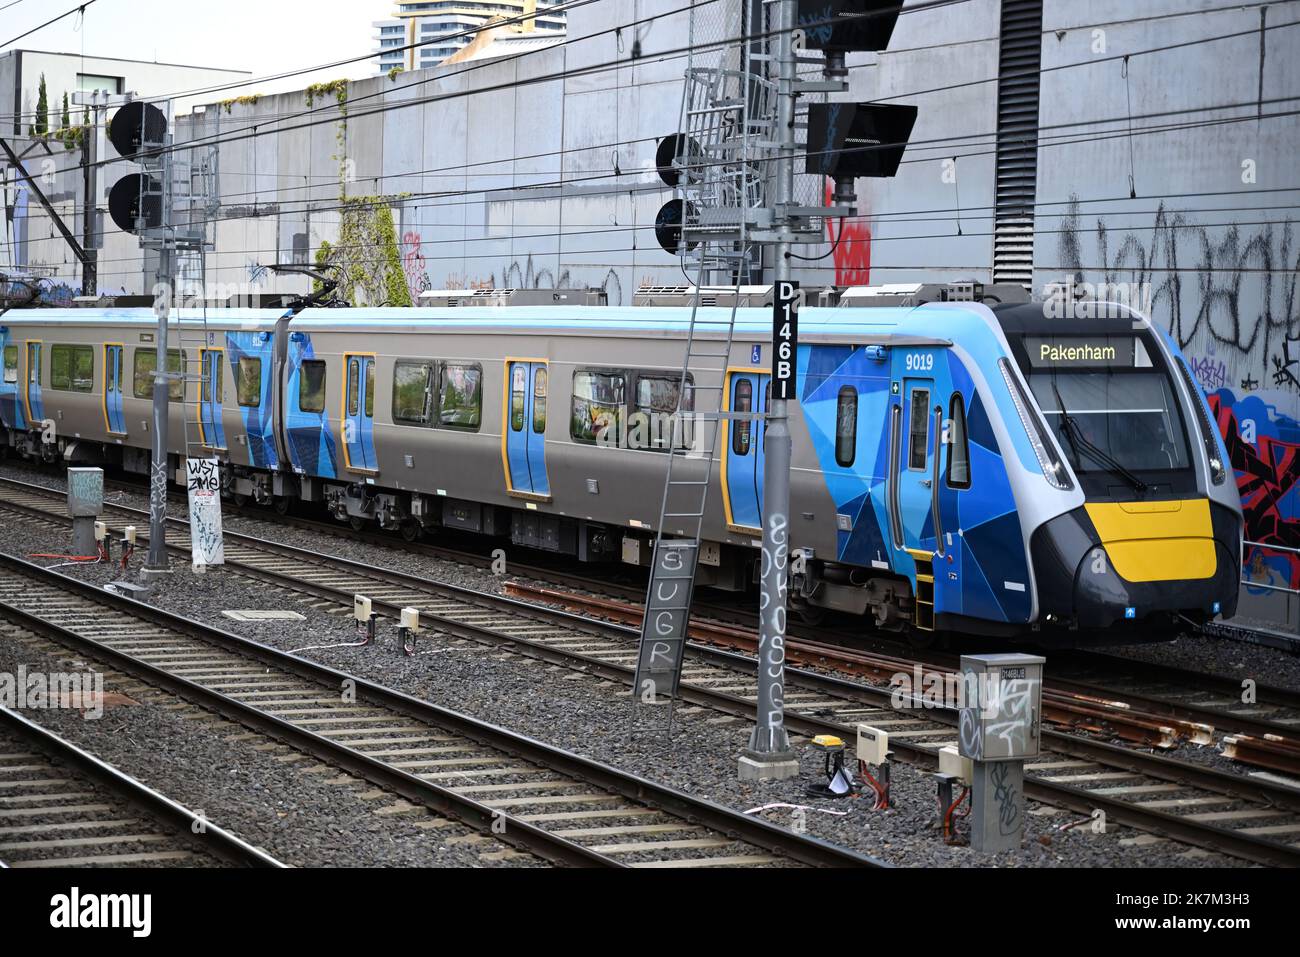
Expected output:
(21, 85)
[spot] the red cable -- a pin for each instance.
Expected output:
(67, 558)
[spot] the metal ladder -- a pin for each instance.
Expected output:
(687, 480)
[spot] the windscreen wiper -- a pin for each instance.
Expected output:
(1077, 439)
(1072, 428)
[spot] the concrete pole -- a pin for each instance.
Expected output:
(156, 563)
(769, 755)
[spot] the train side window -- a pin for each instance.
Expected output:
(370, 389)
(742, 400)
(656, 404)
(539, 401)
(413, 392)
(311, 386)
(146, 361)
(72, 368)
(958, 444)
(598, 399)
(11, 363)
(518, 393)
(354, 385)
(918, 431)
(215, 376)
(846, 427)
(460, 404)
(248, 381)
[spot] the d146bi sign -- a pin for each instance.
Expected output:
(785, 340)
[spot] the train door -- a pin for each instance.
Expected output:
(35, 408)
(917, 436)
(114, 418)
(212, 396)
(11, 386)
(528, 382)
(359, 413)
(747, 391)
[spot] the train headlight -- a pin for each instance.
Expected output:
(1209, 433)
(1053, 468)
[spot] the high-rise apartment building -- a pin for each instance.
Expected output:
(444, 27)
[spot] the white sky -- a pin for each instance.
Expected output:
(264, 36)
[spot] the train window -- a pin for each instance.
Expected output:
(539, 401)
(11, 363)
(958, 444)
(846, 426)
(656, 404)
(370, 389)
(518, 394)
(598, 399)
(413, 392)
(248, 381)
(146, 361)
(742, 400)
(72, 368)
(918, 431)
(311, 386)
(214, 373)
(460, 403)
(354, 385)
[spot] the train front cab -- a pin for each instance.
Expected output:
(1156, 543)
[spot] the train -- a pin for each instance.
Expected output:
(959, 467)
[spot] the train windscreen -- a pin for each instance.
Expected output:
(1111, 408)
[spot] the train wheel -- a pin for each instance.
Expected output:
(411, 530)
(810, 615)
(356, 522)
(240, 500)
(281, 504)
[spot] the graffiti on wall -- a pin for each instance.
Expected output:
(413, 264)
(1227, 295)
(1226, 287)
(850, 241)
(1264, 448)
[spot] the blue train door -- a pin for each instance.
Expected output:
(746, 392)
(212, 396)
(114, 419)
(35, 410)
(526, 427)
(359, 413)
(916, 460)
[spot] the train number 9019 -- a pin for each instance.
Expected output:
(920, 362)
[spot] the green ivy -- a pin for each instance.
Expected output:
(366, 256)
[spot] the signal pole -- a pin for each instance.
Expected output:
(156, 563)
(769, 755)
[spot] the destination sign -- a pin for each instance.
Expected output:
(1047, 352)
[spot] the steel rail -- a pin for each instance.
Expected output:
(799, 848)
(213, 838)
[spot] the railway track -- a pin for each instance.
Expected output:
(557, 805)
(1255, 819)
(63, 807)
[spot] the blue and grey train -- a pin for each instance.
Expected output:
(957, 467)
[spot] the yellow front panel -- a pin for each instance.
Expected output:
(1157, 541)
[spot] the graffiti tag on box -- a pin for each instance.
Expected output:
(203, 484)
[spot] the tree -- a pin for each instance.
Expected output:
(41, 125)
(66, 118)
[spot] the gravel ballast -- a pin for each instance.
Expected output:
(589, 717)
